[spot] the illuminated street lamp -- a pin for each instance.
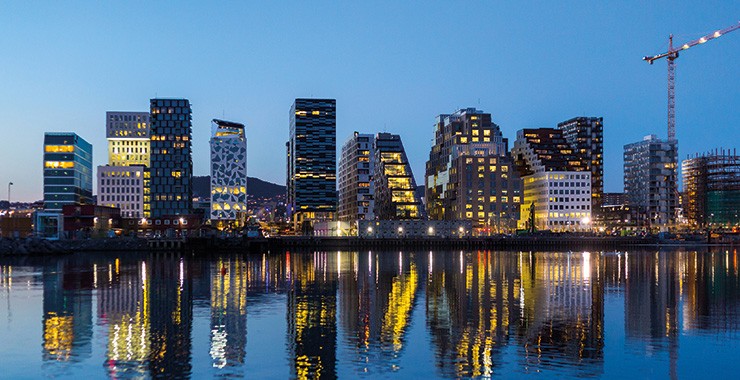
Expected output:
(586, 221)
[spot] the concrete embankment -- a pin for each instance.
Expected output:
(33, 246)
(540, 243)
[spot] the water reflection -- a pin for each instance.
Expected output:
(481, 313)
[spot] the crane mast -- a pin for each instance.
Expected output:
(671, 55)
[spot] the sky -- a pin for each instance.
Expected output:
(391, 66)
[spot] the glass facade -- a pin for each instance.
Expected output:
(312, 166)
(171, 171)
(395, 187)
(650, 180)
(586, 136)
(67, 170)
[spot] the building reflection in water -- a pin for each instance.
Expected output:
(563, 310)
(377, 295)
(312, 332)
(484, 312)
(124, 305)
(228, 312)
(546, 305)
(67, 311)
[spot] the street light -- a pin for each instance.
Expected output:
(9, 185)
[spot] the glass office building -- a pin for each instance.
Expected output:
(171, 172)
(67, 170)
(312, 161)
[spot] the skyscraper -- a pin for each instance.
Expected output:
(586, 136)
(228, 171)
(470, 174)
(650, 180)
(67, 170)
(121, 182)
(171, 170)
(312, 168)
(395, 187)
(356, 186)
(557, 183)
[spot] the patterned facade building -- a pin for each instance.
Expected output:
(395, 187)
(228, 171)
(356, 186)
(67, 170)
(650, 180)
(171, 191)
(557, 183)
(312, 161)
(586, 136)
(122, 182)
(470, 174)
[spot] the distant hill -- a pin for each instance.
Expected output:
(255, 187)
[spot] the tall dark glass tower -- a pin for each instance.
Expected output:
(171, 191)
(67, 170)
(586, 136)
(312, 161)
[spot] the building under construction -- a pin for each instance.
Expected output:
(712, 187)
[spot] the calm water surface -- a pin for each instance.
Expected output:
(366, 314)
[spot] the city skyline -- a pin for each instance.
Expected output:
(529, 70)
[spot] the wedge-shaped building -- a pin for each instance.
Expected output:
(395, 187)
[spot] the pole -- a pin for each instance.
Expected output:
(9, 184)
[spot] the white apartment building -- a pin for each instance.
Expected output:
(121, 181)
(122, 187)
(561, 200)
(356, 187)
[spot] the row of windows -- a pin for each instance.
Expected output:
(120, 198)
(569, 184)
(119, 190)
(120, 181)
(567, 191)
(568, 207)
(123, 117)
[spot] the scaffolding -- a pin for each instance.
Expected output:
(712, 187)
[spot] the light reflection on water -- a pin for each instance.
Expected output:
(377, 314)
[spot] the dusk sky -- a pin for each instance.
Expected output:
(391, 66)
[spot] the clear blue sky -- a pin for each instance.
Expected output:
(391, 66)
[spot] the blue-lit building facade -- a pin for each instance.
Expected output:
(68, 174)
(171, 172)
(312, 162)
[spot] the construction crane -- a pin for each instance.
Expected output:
(671, 56)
